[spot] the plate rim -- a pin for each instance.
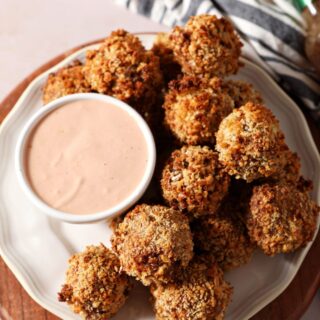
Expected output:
(30, 287)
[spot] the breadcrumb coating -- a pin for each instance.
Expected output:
(249, 142)
(200, 293)
(223, 238)
(290, 168)
(304, 185)
(194, 108)
(207, 46)
(67, 80)
(281, 218)
(193, 181)
(122, 68)
(162, 48)
(154, 243)
(95, 287)
(242, 92)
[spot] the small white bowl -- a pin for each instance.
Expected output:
(92, 217)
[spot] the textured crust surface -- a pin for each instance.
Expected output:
(207, 46)
(67, 80)
(250, 143)
(153, 243)
(281, 218)
(194, 108)
(122, 68)
(96, 288)
(242, 92)
(168, 64)
(193, 181)
(290, 168)
(199, 294)
(224, 239)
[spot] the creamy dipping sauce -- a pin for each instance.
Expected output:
(85, 157)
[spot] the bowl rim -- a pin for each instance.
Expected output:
(92, 217)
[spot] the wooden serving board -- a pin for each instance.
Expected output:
(15, 303)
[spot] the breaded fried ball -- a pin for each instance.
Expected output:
(162, 48)
(207, 46)
(153, 243)
(95, 287)
(281, 218)
(200, 293)
(194, 108)
(67, 80)
(249, 142)
(193, 181)
(223, 238)
(242, 92)
(122, 68)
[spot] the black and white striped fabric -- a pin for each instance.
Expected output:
(273, 33)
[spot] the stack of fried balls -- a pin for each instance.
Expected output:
(226, 182)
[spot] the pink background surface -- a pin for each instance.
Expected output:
(34, 31)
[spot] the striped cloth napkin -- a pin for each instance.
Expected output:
(273, 34)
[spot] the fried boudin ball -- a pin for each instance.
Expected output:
(223, 238)
(242, 92)
(281, 218)
(122, 68)
(96, 287)
(250, 142)
(206, 46)
(194, 108)
(153, 243)
(193, 181)
(200, 293)
(67, 80)
(162, 48)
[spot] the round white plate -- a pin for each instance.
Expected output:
(36, 248)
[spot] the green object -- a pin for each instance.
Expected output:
(301, 4)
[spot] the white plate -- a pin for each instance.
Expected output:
(37, 248)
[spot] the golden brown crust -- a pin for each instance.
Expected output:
(122, 68)
(223, 238)
(95, 287)
(250, 142)
(281, 218)
(206, 46)
(153, 243)
(200, 293)
(193, 181)
(162, 48)
(194, 108)
(67, 80)
(289, 168)
(242, 92)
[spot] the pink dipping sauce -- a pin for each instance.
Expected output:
(86, 157)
